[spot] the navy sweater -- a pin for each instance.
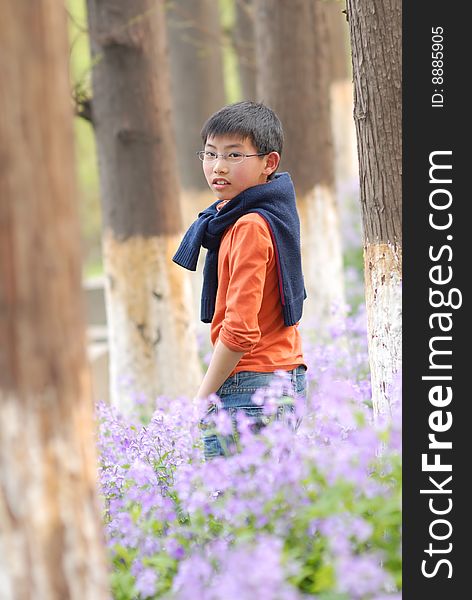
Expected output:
(275, 202)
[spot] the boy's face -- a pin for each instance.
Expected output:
(227, 180)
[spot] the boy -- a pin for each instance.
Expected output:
(253, 288)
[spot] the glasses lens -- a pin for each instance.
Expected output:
(211, 157)
(235, 157)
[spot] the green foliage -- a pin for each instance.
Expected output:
(230, 60)
(122, 581)
(86, 160)
(354, 257)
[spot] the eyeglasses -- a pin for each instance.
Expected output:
(233, 158)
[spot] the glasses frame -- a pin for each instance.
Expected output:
(224, 155)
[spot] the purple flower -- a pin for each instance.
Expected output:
(359, 576)
(237, 579)
(266, 505)
(146, 583)
(175, 549)
(223, 423)
(142, 473)
(192, 579)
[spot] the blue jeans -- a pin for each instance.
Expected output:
(236, 395)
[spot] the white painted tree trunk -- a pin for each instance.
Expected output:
(383, 286)
(49, 514)
(153, 348)
(376, 34)
(321, 255)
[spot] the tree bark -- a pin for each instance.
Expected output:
(51, 541)
(376, 58)
(148, 298)
(196, 60)
(244, 45)
(293, 80)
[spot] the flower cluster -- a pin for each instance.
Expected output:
(308, 514)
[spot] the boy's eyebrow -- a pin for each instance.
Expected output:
(225, 147)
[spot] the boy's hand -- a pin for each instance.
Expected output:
(222, 363)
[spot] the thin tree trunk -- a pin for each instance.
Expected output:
(376, 57)
(341, 91)
(292, 79)
(244, 45)
(196, 60)
(151, 330)
(51, 541)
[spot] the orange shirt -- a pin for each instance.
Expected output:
(248, 313)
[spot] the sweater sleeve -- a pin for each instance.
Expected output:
(250, 252)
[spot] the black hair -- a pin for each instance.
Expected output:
(251, 120)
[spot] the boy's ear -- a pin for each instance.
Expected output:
(272, 161)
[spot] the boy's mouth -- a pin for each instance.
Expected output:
(220, 183)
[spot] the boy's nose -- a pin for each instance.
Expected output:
(220, 166)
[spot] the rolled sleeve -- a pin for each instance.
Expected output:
(250, 251)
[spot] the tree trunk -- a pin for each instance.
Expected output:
(292, 79)
(341, 91)
(195, 50)
(51, 541)
(376, 58)
(244, 46)
(151, 330)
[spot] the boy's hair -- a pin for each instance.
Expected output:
(251, 120)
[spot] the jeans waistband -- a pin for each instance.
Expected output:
(240, 376)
